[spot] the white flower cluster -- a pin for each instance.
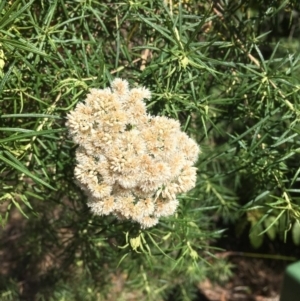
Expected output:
(129, 163)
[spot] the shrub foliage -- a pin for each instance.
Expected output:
(228, 71)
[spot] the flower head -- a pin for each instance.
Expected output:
(130, 164)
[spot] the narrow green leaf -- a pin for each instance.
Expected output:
(15, 130)
(6, 76)
(16, 164)
(31, 115)
(13, 12)
(19, 207)
(158, 28)
(32, 134)
(288, 139)
(157, 246)
(22, 45)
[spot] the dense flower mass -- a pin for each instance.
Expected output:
(130, 164)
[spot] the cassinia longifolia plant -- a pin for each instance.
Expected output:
(129, 163)
(225, 73)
